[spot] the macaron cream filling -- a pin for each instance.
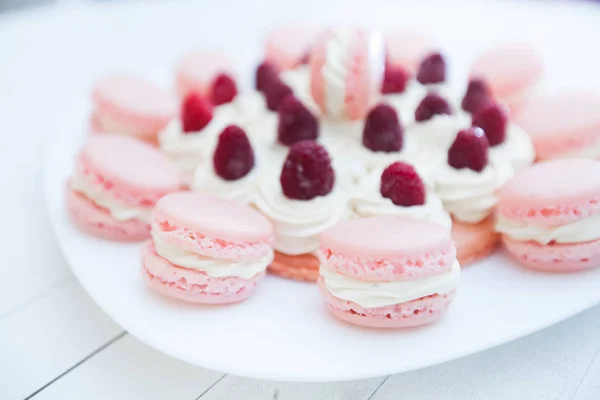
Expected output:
(381, 294)
(118, 210)
(216, 268)
(584, 230)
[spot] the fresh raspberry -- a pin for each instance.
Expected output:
(233, 157)
(402, 185)
(307, 171)
(394, 79)
(432, 69)
(382, 131)
(469, 150)
(223, 90)
(196, 113)
(305, 58)
(296, 122)
(431, 105)
(478, 94)
(493, 119)
(266, 73)
(275, 93)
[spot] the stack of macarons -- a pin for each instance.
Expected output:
(205, 249)
(388, 272)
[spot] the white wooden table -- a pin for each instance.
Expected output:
(55, 343)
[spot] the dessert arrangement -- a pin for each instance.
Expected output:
(356, 163)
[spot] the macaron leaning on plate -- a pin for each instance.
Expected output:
(206, 249)
(388, 272)
(117, 181)
(549, 215)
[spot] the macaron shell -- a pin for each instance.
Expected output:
(131, 163)
(554, 258)
(303, 267)
(561, 123)
(474, 241)
(423, 311)
(316, 63)
(509, 68)
(213, 217)
(134, 100)
(386, 237)
(552, 193)
(287, 45)
(360, 88)
(192, 286)
(99, 223)
(406, 48)
(196, 71)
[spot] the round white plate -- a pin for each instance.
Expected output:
(284, 332)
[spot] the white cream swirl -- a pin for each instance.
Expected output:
(335, 72)
(118, 210)
(189, 150)
(470, 196)
(216, 268)
(299, 223)
(406, 103)
(368, 202)
(517, 149)
(584, 230)
(246, 109)
(382, 294)
(241, 190)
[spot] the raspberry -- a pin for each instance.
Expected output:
(265, 74)
(275, 93)
(478, 94)
(493, 119)
(223, 90)
(382, 131)
(394, 79)
(402, 184)
(431, 105)
(307, 171)
(233, 157)
(296, 122)
(469, 150)
(196, 113)
(432, 69)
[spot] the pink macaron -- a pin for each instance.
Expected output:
(406, 49)
(513, 72)
(196, 72)
(346, 72)
(563, 125)
(131, 106)
(549, 215)
(288, 46)
(206, 249)
(117, 181)
(388, 272)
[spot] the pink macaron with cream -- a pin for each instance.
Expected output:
(549, 215)
(346, 72)
(206, 249)
(131, 106)
(117, 181)
(565, 125)
(388, 272)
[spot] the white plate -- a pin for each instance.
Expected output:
(283, 332)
